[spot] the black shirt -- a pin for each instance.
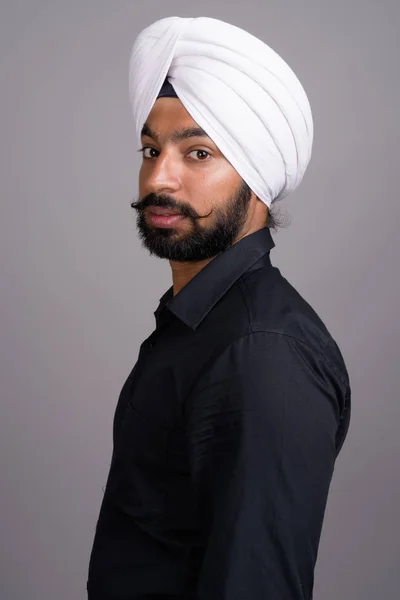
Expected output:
(225, 437)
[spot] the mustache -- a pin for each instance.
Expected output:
(165, 201)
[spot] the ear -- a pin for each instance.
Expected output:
(261, 210)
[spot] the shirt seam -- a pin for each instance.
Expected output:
(243, 290)
(317, 353)
(223, 349)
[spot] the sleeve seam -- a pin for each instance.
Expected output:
(223, 349)
(242, 287)
(321, 356)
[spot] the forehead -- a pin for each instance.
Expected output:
(169, 114)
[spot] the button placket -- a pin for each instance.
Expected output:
(151, 342)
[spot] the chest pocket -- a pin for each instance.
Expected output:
(140, 465)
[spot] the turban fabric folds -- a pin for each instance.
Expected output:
(241, 92)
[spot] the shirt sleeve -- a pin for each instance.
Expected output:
(262, 424)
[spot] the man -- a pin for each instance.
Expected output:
(227, 429)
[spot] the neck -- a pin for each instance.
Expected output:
(183, 272)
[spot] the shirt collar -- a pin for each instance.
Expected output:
(197, 298)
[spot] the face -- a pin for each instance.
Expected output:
(193, 204)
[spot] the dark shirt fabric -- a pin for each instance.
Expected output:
(224, 442)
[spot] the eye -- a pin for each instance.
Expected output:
(149, 152)
(200, 155)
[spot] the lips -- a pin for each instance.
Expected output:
(164, 212)
(165, 218)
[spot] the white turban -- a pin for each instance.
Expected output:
(243, 94)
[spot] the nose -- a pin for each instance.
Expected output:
(163, 176)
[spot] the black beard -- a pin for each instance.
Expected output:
(199, 243)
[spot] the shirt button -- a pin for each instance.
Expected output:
(151, 346)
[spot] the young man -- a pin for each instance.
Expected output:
(227, 429)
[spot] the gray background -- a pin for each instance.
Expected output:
(78, 292)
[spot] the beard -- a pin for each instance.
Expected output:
(200, 243)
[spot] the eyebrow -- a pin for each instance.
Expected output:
(176, 136)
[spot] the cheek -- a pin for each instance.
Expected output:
(217, 185)
(142, 181)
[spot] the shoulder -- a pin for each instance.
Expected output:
(278, 315)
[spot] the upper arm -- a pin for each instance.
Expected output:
(262, 422)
